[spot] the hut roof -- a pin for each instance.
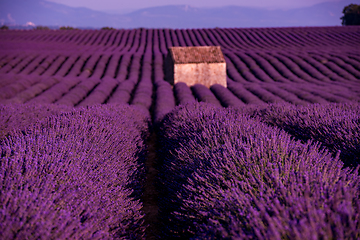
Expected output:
(203, 54)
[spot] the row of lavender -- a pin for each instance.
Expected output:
(242, 67)
(250, 65)
(211, 161)
(158, 41)
(227, 174)
(130, 67)
(160, 97)
(70, 173)
(319, 74)
(232, 38)
(259, 82)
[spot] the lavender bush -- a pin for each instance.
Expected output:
(123, 92)
(75, 175)
(204, 94)
(21, 116)
(183, 93)
(164, 100)
(79, 92)
(335, 125)
(224, 175)
(225, 96)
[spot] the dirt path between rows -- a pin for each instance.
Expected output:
(150, 203)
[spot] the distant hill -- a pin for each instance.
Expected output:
(41, 12)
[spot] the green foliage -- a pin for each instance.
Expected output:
(351, 15)
(42, 28)
(4, 27)
(68, 28)
(107, 28)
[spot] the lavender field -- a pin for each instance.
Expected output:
(96, 144)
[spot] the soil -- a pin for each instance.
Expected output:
(150, 196)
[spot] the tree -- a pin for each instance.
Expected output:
(351, 15)
(42, 28)
(107, 28)
(68, 28)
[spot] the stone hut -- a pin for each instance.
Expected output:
(204, 65)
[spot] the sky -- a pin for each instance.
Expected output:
(124, 6)
(323, 15)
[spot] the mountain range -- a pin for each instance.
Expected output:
(41, 12)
